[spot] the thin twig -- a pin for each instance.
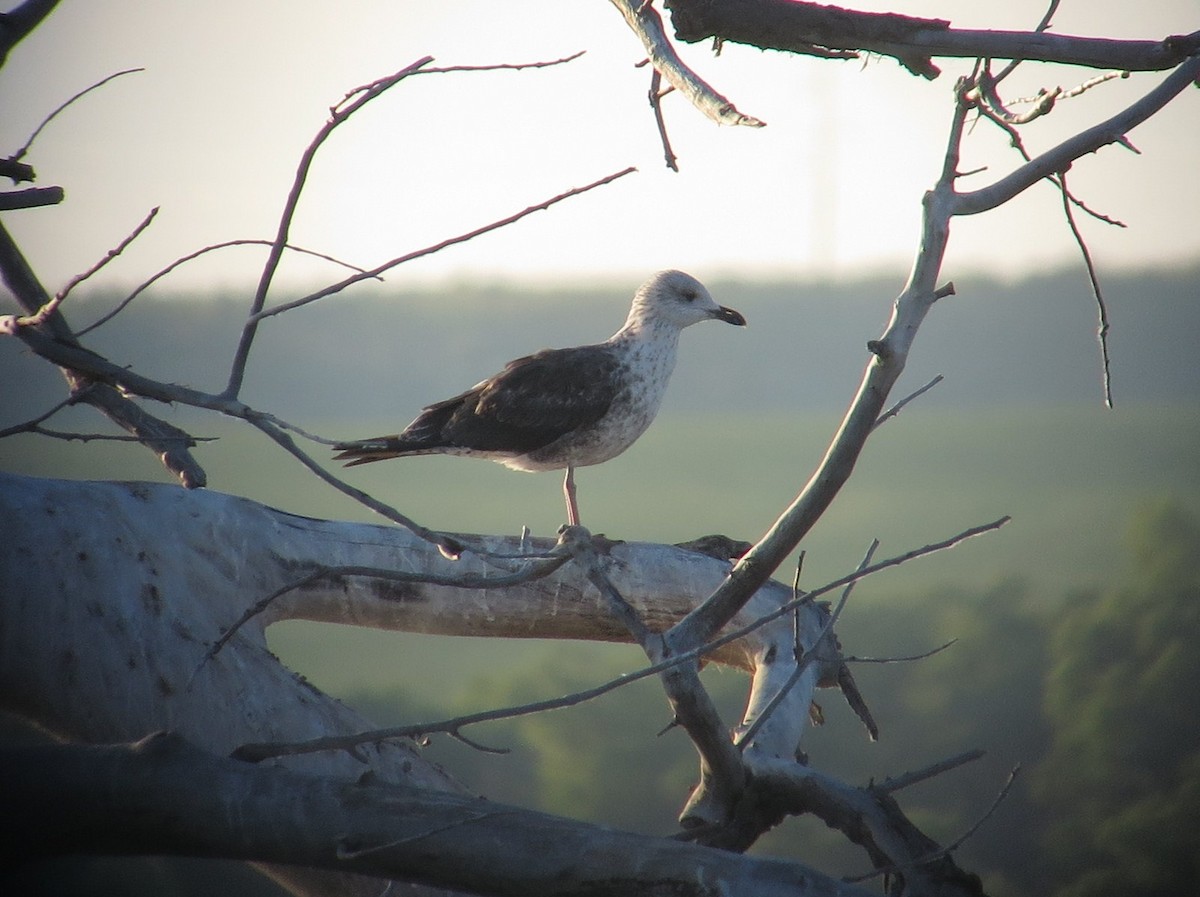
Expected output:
(500, 66)
(942, 851)
(905, 658)
(112, 254)
(183, 439)
(20, 154)
(145, 285)
(449, 546)
(155, 434)
(437, 247)
(337, 116)
(896, 783)
(30, 425)
(1101, 306)
(656, 95)
(1042, 26)
(895, 409)
(476, 745)
(1058, 158)
(1017, 142)
(933, 547)
(357, 851)
(42, 314)
(1084, 87)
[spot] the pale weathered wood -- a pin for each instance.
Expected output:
(112, 594)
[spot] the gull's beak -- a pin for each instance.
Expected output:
(729, 316)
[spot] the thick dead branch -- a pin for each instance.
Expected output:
(164, 796)
(17, 172)
(812, 28)
(141, 554)
(31, 198)
(17, 23)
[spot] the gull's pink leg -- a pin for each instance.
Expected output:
(569, 493)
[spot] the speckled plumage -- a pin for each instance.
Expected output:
(563, 408)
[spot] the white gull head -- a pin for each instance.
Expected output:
(676, 300)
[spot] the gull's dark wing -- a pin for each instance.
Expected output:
(532, 402)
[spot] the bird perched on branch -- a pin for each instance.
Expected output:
(563, 407)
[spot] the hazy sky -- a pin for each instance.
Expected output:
(234, 91)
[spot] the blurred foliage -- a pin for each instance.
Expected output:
(1121, 781)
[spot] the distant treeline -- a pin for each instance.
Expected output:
(384, 351)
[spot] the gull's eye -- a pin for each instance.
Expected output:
(689, 295)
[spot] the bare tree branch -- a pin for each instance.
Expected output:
(42, 314)
(20, 154)
(169, 442)
(157, 276)
(17, 23)
(499, 66)
(940, 853)
(437, 247)
(905, 658)
(826, 30)
(895, 783)
(164, 796)
(720, 765)
(1044, 24)
(805, 658)
(869, 817)
(337, 115)
(656, 96)
(263, 751)
(1097, 294)
(31, 198)
(987, 109)
(1059, 158)
(647, 25)
(537, 568)
(17, 172)
(899, 406)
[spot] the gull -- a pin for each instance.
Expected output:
(563, 407)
